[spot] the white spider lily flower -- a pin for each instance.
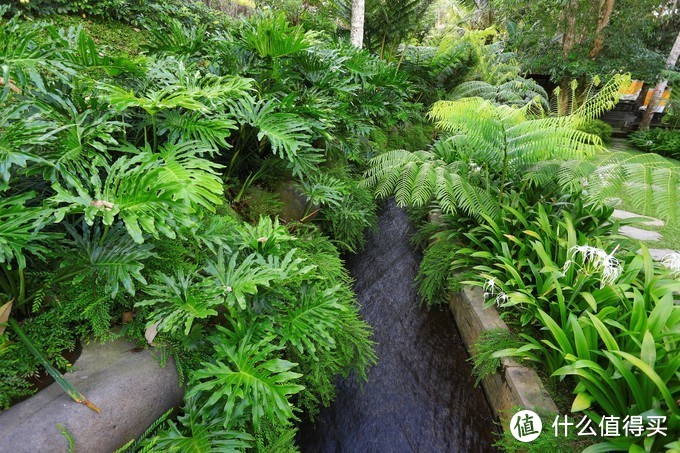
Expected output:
(672, 262)
(489, 288)
(609, 266)
(565, 268)
(501, 299)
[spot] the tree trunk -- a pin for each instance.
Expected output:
(563, 107)
(660, 87)
(357, 29)
(605, 12)
(569, 35)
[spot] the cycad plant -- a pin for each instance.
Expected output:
(517, 92)
(488, 149)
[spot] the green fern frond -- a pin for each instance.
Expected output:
(649, 180)
(506, 148)
(272, 36)
(604, 99)
(517, 92)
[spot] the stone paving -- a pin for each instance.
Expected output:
(643, 235)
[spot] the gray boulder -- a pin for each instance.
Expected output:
(130, 388)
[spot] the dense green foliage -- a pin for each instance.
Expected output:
(484, 356)
(125, 11)
(141, 166)
(599, 128)
(389, 23)
(580, 311)
(114, 172)
(568, 39)
(490, 149)
(525, 195)
(662, 141)
(527, 209)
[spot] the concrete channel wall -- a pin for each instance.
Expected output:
(514, 384)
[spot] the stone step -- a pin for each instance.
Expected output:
(660, 254)
(621, 214)
(640, 234)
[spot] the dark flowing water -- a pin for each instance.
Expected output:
(420, 396)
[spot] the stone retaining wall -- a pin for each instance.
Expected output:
(514, 384)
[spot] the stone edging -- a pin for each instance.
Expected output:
(514, 385)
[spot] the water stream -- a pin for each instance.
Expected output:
(420, 396)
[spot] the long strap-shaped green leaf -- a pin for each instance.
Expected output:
(58, 377)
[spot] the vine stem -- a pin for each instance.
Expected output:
(153, 131)
(59, 378)
(505, 165)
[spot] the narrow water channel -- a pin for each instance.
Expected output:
(421, 396)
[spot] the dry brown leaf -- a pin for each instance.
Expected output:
(12, 86)
(4, 315)
(151, 333)
(127, 317)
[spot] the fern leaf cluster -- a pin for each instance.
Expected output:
(489, 148)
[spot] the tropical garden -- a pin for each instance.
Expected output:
(149, 150)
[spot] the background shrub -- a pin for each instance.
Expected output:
(599, 128)
(660, 141)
